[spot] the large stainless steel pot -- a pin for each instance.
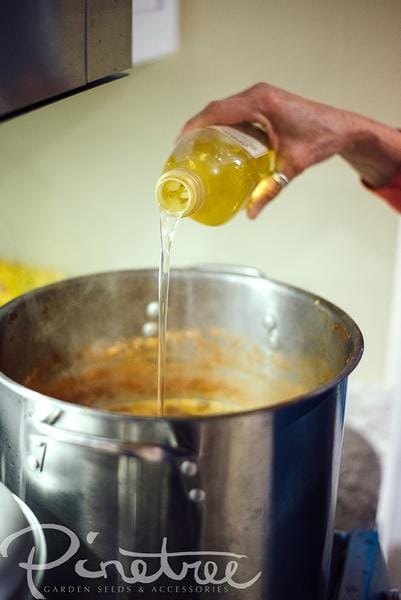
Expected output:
(16, 516)
(260, 483)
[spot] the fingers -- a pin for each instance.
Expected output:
(252, 106)
(231, 111)
(290, 163)
(228, 112)
(266, 191)
(254, 210)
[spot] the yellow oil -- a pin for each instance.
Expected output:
(230, 175)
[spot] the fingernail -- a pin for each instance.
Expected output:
(252, 213)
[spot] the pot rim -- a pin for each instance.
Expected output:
(352, 362)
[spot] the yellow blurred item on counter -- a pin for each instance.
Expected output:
(17, 279)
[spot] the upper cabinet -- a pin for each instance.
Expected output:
(49, 47)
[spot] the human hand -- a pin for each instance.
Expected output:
(301, 131)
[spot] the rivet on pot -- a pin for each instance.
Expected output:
(149, 329)
(37, 442)
(269, 321)
(197, 495)
(152, 310)
(33, 462)
(190, 468)
(274, 342)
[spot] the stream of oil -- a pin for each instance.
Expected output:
(168, 226)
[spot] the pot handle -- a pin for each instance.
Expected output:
(152, 452)
(230, 269)
(184, 459)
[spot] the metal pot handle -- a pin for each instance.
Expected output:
(184, 458)
(230, 269)
(152, 452)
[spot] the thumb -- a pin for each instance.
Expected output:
(265, 192)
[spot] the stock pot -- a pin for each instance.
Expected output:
(14, 517)
(254, 488)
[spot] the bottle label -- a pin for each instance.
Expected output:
(251, 145)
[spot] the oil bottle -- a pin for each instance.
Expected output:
(214, 172)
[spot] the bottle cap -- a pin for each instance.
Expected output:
(180, 192)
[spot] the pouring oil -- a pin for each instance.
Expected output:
(214, 172)
(168, 226)
(211, 174)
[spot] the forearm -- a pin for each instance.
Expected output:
(305, 133)
(373, 149)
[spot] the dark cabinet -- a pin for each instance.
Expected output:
(50, 47)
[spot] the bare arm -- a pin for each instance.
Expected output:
(374, 151)
(305, 132)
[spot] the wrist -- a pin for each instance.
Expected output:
(372, 148)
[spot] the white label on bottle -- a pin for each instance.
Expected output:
(254, 147)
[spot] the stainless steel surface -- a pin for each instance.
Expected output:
(14, 517)
(229, 269)
(48, 48)
(109, 37)
(260, 483)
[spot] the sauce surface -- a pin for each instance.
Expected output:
(207, 373)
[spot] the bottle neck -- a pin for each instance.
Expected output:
(180, 192)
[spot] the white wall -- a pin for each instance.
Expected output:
(77, 177)
(389, 515)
